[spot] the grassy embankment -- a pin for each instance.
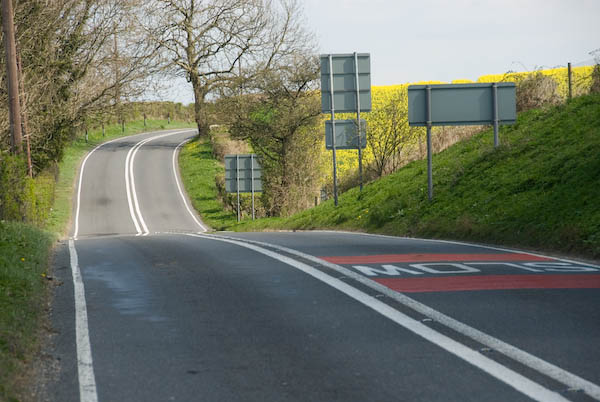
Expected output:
(24, 256)
(539, 189)
(198, 171)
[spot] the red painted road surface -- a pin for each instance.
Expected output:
(465, 282)
(492, 282)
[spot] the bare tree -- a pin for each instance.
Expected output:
(210, 42)
(389, 133)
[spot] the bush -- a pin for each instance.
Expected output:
(23, 198)
(536, 90)
(595, 87)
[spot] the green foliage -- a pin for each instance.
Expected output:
(23, 258)
(22, 198)
(198, 170)
(539, 189)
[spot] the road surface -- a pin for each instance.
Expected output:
(153, 307)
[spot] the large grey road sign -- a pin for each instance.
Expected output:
(459, 105)
(242, 173)
(462, 104)
(345, 82)
(346, 134)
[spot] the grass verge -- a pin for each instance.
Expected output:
(24, 252)
(24, 259)
(198, 170)
(539, 189)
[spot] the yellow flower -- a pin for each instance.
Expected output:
(22, 259)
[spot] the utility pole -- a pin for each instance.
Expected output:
(25, 127)
(8, 28)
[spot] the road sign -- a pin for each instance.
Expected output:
(346, 134)
(345, 88)
(458, 105)
(242, 172)
(462, 104)
(345, 83)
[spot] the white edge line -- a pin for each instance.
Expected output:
(493, 368)
(85, 367)
(183, 197)
(556, 373)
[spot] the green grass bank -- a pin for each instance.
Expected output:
(24, 254)
(198, 171)
(539, 189)
(25, 250)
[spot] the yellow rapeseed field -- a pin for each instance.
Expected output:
(390, 102)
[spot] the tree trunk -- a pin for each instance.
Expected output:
(199, 108)
(8, 29)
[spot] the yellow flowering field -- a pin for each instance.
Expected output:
(390, 110)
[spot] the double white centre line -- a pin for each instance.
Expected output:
(132, 198)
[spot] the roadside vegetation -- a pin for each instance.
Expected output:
(36, 212)
(539, 189)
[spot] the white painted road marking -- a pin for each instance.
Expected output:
(185, 202)
(85, 367)
(563, 376)
(134, 206)
(495, 369)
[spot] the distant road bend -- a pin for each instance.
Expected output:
(154, 308)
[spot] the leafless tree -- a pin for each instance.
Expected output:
(213, 42)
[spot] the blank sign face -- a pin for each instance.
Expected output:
(462, 104)
(242, 170)
(344, 82)
(346, 134)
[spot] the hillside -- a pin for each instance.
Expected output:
(540, 189)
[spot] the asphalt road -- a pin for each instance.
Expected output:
(152, 308)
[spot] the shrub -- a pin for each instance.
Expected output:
(595, 86)
(536, 90)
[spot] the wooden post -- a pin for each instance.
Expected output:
(570, 80)
(8, 28)
(23, 104)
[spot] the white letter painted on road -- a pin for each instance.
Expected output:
(390, 270)
(560, 267)
(508, 264)
(462, 268)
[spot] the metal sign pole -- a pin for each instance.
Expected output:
(429, 150)
(237, 185)
(495, 102)
(252, 175)
(335, 195)
(360, 170)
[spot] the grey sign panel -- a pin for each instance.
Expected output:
(248, 171)
(346, 134)
(462, 104)
(344, 82)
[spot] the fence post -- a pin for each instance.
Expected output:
(570, 80)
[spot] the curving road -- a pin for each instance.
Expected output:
(152, 308)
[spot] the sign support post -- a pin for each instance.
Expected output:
(335, 195)
(252, 175)
(429, 150)
(360, 170)
(237, 184)
(496, 123)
